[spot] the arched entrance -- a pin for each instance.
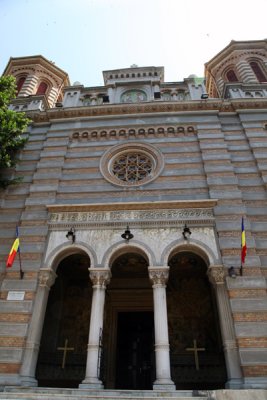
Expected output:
(129, 325)
(63, 348)
(196, 353)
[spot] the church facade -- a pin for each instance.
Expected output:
(129, 217)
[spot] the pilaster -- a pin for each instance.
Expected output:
(46, 280)
(216, 274)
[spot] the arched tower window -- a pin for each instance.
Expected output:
(20, 83)
(42, 88)
(231, 76)
(258, 71)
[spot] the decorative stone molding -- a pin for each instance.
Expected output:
(216, 274)
(46, 277)
(94, 111)
(134, 132)
(100, 277)
(158, 275)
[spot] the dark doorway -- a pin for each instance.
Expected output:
(135, 351)
(63, 348)
(197, 357)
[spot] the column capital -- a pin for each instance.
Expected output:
(100, 277)
(46, 277)
(216, 274)
(159, 275)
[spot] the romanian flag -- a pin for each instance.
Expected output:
(12, 254)
(243, 242)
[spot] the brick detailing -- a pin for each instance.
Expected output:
(252, 342)
(8, 368)
(250, 317)
(20, 318)
(12, 342)
(255, 370)
(248, 293)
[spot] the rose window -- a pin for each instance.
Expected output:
(132, 167)
(131, 164)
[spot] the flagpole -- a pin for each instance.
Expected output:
(20, 267)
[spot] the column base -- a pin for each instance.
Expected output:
(28, 381)
(91, 383)
(234, 384)
(164, 385)
(255, 383)
(9, 380)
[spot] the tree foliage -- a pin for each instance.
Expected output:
(12, 125)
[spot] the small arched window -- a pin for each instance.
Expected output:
(20, 83)
(42, 88)
(258, 71)
(231, 76)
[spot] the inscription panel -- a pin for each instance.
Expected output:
(197, 216)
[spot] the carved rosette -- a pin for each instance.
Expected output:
(159, 276)
(100, 277)
(46, 277)
(216, 274)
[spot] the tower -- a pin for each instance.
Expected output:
(38, 80)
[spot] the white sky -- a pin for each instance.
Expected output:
(86, 37)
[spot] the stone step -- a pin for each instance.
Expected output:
(23, 393)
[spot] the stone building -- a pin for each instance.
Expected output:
(144, 183)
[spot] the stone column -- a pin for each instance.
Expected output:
(27, 371)
(100, 278)
(216, 274)
(159, 277)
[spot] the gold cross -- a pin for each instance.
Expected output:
(65, 349)
(196, 349)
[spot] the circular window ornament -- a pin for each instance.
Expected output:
(132, 164)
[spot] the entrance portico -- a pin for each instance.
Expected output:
(157, 235)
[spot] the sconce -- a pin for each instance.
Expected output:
(71, 235)
(186, 232)
(127, 235)
(231, 272)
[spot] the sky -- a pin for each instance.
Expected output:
(86, 37)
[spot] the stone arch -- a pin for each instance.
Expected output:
(64, 250)
(194, 246)
(121, 248)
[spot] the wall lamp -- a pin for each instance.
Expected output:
(127, 235)
(186, 232)
(71, 235)
(231, 272)
(204, 96)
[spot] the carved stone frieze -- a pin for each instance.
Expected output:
(216, 274)
(100, 277)
(136, 217)
(158, 275)
(46, 277)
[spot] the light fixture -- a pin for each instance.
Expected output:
(186, 232)
(127, 235)
(204, 96)
(231, 272)
(71, 235)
